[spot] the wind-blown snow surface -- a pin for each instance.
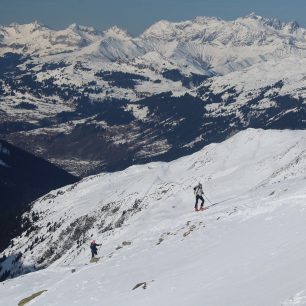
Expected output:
(248, 248)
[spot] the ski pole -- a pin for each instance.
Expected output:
(207, 199)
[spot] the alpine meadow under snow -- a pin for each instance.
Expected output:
(247, 248)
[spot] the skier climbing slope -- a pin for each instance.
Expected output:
(198, 191)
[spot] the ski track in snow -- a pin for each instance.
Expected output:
(247, 249)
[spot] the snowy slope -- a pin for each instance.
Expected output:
(248, 248)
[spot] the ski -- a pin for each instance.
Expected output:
(94, 259)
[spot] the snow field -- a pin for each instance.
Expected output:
(247, 249)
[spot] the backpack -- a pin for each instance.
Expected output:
(196, 188)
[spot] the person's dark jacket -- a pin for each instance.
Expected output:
(93, 246)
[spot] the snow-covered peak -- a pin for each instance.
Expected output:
(269, 22)
(253, 16)
(205, 19)
(166, 30)
(17, 31)
(117, 44)
(255, 21)
(157, 30)
(28, 27)
(117, 33)
(74, 27)
(291, 26)
(82, 30)
(249, 30)
(34, 38)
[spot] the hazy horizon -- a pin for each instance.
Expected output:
(137, 15)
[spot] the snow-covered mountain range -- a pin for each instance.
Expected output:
(90, 100)
(247, 248)
(203, 45)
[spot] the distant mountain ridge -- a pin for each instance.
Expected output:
(184, 42)
(92, 100)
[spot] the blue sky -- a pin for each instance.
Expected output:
(137, 15)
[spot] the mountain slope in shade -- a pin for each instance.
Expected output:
(234, 253)
(23, 178)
